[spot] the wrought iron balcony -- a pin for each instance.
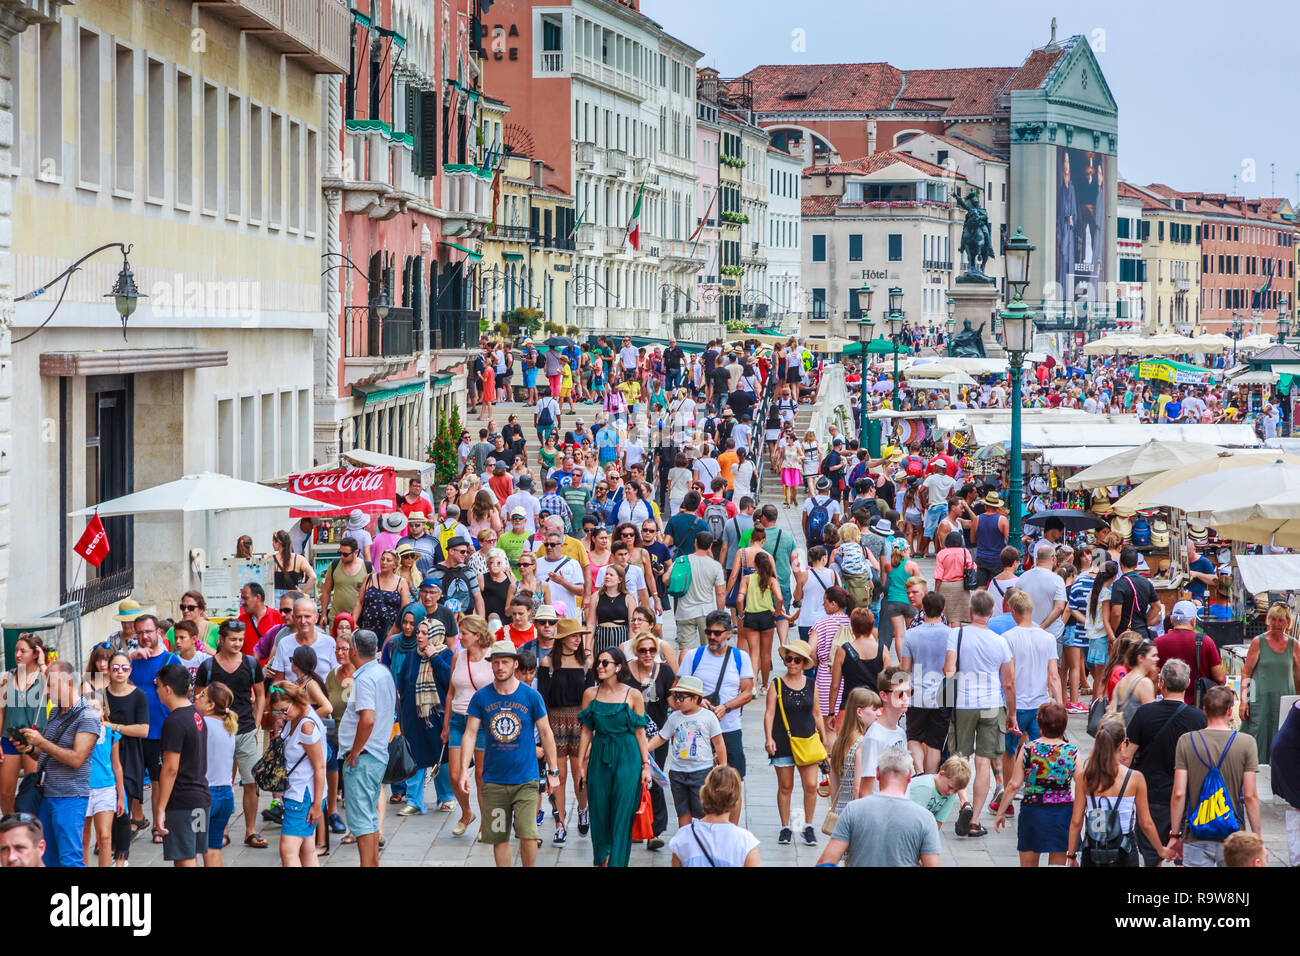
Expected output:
(369, 336)
(456, 329)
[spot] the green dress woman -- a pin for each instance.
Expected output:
(1271, 671)
(614, 760)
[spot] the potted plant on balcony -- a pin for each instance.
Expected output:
(525, 320)
(572, 331)
(554, 328)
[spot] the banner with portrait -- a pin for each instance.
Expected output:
(1082, 244)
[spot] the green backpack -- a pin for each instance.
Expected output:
(679, 578)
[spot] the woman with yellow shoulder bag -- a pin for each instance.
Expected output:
(795, 738)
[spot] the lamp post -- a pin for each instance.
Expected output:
(1283, 324)
(895, 331)
(1235, 331)
(865, 326)
(1017, 332)
(125, 293)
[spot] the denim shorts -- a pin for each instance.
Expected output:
(781, 761)
(1075, 636)
(223, 807)
(363, 784)
(457, 731)
(295, 822)
(1027, 721)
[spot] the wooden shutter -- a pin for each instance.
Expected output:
(413, 98)
(428, 134)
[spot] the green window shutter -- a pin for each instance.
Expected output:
(411, 126)
(428, 120)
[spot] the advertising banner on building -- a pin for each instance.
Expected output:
(373, 490)
(1082, 246)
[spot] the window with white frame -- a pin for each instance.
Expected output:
(184, 140)
(155, 130)
(234, 154)
(123, 119)
(312, 194)
(256, 163)
(275, 172)
(295, 176)
(49, 102)
(88, 108)
(211, 145)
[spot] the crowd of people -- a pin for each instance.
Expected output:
(578, 620)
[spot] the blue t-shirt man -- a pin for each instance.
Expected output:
(1205, 566)
(143, 672)
(510, 757)
(1173, 410)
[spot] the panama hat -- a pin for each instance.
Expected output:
(1197, 535)
(417, 517)
(503, 649)
(393, 523)
(1122, 526)
(993, 500)
(128, 610)
(801, 648)
(688, 685)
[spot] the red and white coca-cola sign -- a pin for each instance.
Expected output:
(373, 490)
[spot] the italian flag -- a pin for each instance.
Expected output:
(634, 224)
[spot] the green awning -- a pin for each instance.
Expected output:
(383, 391)
(876, 347)
(1284, 383)
(513, 256)
(476, 256)
(396, 37)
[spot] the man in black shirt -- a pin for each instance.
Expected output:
(1134, 602)
(184, 798)
(673, 356)
(243, 675)
(720, 385)
(1153, 734)
(741, 401)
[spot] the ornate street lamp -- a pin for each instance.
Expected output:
(896, 320)
(1017, 337)
(125, 294)
(1235, 331)
(865, 329)
(1283, 324)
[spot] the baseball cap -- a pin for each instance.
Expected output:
(457, 542)
(838, 441)
(1183, 611)
(518, 513)
(430, 582)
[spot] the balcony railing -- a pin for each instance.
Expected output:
(311, 32)
(456, 329)
(584, 154)
(945, 264)
(369, 336)
(102, 591)
(552, 61)
(586, 316)
(615, 162)
(510, 234)
(589, 237)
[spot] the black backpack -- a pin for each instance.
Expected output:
(1103, 842)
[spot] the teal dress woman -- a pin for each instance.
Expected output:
(614, 758)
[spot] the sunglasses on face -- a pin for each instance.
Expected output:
(189, 607)
(120, 668)
(605, 663)
(793, 660)
(715, 633)
(346, 554)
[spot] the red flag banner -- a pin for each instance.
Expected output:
(373, 490)
(93, 543)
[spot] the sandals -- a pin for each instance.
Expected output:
(157, 837)
(964, 817)
(348, 839)
(976, 830)
(138, 825)
(255, 841)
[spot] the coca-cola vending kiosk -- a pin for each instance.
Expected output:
(373, 491)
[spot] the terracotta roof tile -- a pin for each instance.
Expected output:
(1220, 204)
(876, 162)
(1034, 70)
(868, 87)
(969, 146)
(818, 205)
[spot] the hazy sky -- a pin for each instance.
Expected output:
(1203, 87)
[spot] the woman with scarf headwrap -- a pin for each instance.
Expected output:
(421, 667)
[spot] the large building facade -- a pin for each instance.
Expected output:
(626, 134)
(194, 135)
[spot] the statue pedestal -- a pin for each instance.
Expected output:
(977, 302)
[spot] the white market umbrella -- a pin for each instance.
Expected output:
(1238, 495)
(929, 370)
(1137, 464)
(202, 492)
(1113, 345)
(1144, 494)
(1255, 343)
(957, 377)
